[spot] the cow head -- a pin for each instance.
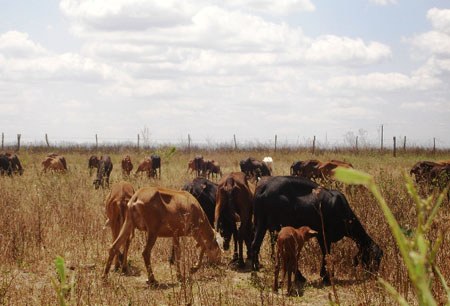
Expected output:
(370, 257)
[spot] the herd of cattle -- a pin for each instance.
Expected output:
(241, 206)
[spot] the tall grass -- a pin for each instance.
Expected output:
(49, 215)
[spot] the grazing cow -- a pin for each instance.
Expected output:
(156, 165)
(212, 168)
(289, 244)
(326, 169)
(295, 201)
(307, 169)
(234, 204)
(92, 163)
(439, 176)
(254, 168)
(54, 163)
(145, 166)
(205, 193)
(10, 163)
(127, 165)
(104, 169)
(5, 165)
(116, 208)
(165, 213)
(421, 171)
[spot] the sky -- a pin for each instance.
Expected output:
(213, 69)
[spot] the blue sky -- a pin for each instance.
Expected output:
(211, 69)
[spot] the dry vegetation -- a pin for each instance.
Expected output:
(46, 215)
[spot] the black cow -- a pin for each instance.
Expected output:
(254, 168)
(9, 164)
(92, 163)
(104, 169)
(156, 165)
(296, 168)
(199, 164)
(5, 165)
(205, 192)
(295, 201)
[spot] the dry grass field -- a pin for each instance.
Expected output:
(45, 215)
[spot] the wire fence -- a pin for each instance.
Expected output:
(233, 142)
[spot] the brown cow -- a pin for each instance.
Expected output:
(116, 208)
(234, 203)
(127, 165)
(93, 163)
(197, 165)
(145, 166)
(326, 169)
(289, 244)
(165, 213)
(421, 170)
(55, 163)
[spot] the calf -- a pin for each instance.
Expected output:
(54, 163)
(289, 244)
(104, 169)
(127, 165)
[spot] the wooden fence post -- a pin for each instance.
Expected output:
(356, 144)
(235, 143)
(96, 141)
(314, 145)
(275, 143)
(382, 136)
(3, 140)
(189, 143)
(18, 141)
(395, 148)
(138, 141)
(46, 140)
(434, 145)
(404, 144)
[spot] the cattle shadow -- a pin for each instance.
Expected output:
(234, 266)
(319, 284)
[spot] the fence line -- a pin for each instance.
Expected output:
(274, 144)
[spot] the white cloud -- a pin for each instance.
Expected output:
(332, 49)
(383, 2)
(18, 45)
(282, 7)
(440, 19)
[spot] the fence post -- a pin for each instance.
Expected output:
(404, 144)
(356, 144)
(96, 141)
(3, 140)
(18, 141)
(189, 143)
(314, 145)
(275, 143)
(138, 141)
(382, 136)
(434, 145)
(235, 143)
(46, 140)
(395, 148)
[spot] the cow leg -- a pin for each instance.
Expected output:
(325, 247)
(256, 245)
(172, 255)
(289, 280)
(151, 239)
(125, 232)
(276, 272)
(115, 229)
(177, 252)
(199, 262)
(273, 240)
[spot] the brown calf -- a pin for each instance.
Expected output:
(289, 244)
(127, 165)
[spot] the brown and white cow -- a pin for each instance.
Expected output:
(289, 244)
(55, 163)
(326, 169)
(164, 212)
(116, 209)
(127, 165)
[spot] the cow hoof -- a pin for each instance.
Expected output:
(195, 268)
(326, 281)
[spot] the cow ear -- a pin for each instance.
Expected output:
(203, 186)
(237, 218)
